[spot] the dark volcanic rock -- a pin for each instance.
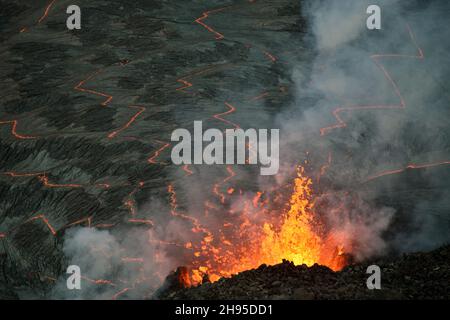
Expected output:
(411, 276)
(69, 93)
(84, 116)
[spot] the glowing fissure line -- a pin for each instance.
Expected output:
(408, 167)
(87, 219)
(204, 16)
(152, 159)
(174, 212)
(232, 174)
(259, 97)
(45, 220)
(46, 183)
(188, 171)
(13, 124)
(99, 281)
(121, 292)
(341, 123)
(47, 11)
(42, 177)
(127, 125)
(43, 17)
(19, 175)
(270, 56)
(101, 94)
(216, 187)
(130, 203)
(324, 168)
(215, 190)
(231, 109)
(186, 83)
(142, 221)
(53, 231)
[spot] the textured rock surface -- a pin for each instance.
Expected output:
(85, 117)
(412, 276)
(68, 149)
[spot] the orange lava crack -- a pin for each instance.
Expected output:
(45, 220)
(43, 17)
(142, 221)
(204, 16)
(216, 187)
(152, 159)
(121, 292)
(270, 56)
(188, 171)
(186, 83)
(408, 167)
(174, 212)
(47, 11)
(341, 123)
(230, 110)
(78, 87)
(128, 124)
(42, 177)
(13, 124)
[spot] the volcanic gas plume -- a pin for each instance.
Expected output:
(292, 223)
(86, 118)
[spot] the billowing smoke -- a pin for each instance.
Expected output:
(375, 105)
(113, 265)
(369, 213)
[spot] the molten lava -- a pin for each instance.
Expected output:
(298, 239)
(297, 235)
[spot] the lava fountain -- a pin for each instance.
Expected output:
(297, 235)
(299, 238)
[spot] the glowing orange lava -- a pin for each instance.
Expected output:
(47, 11)
(298, 239)
(87, 220)
(188, 171)
(187, 84)
(270, 56)
(13, 124)
(99, 281)
(45, 220)
(121, 292)
(46, 183)
(260, 96)
(231, 109)
(128, 124)
(296, 235)
(142, 221)
(152, 159)
(402, 105)
(408, 167)
(79, 87)
(204, 16)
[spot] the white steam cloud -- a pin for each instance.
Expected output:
(342, 74)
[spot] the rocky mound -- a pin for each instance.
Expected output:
(411, 276)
